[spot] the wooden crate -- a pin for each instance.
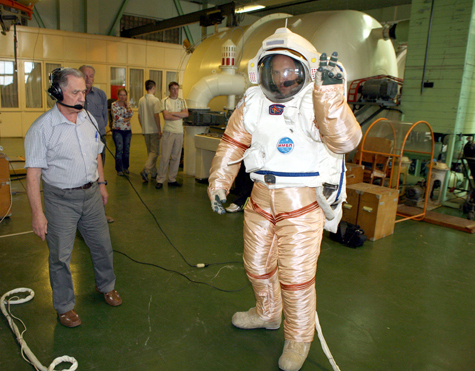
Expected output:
(351, 206)
(354, 173)
(5, 195)
(372, 207)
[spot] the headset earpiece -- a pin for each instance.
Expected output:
(55, 90)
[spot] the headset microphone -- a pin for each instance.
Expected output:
(291, 82)
(76, 106)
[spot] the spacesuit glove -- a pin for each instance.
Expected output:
(324, 204)
(329, 73)
(218, 198)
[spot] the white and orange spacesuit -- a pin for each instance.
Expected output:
(291, 134)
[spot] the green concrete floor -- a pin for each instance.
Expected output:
(405, 302)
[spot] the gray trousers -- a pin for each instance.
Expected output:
(153, 150)
(67, 211)
(172, 143)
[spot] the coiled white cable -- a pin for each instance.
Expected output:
(323, 342)
(26, 353)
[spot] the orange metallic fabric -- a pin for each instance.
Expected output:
(231, 148)
(338, 127)
(282, 234)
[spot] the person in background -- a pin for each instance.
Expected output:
(109, 112)
(121, 132)
(149, 119)
(174, 111)
(96, 104)
(63, 148)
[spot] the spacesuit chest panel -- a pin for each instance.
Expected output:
(290, 154)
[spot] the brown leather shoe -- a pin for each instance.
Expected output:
(112, 297)
(109, 219)
(69, 319)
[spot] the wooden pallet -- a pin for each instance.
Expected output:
(433, 217)
(17, 165)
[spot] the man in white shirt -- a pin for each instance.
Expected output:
(63, 148)
(149, 119)
(174, 111)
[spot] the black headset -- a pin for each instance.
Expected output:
(54, 90)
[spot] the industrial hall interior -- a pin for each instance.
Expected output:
(191, 185)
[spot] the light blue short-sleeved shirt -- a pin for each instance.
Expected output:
(65, 151)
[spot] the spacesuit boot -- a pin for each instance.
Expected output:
(268, 311)
(299, 328)
(294, 355)
(250, 320)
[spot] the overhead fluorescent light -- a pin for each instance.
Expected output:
(249, 8)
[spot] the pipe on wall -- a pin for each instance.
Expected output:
(213, 86)
(427, 46)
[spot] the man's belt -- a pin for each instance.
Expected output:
(84, 186)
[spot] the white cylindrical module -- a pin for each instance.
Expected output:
(228, 51)
(228, 66)
(348, 32)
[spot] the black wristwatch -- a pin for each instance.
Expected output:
(104, 182)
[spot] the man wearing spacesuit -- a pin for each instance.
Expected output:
(292, 135)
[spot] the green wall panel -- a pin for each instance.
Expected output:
(448, 106)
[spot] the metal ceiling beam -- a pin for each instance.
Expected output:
(119, 16)
(297, 7)
(283, 4)
(38, 18)
(212, 14)
(186, 28)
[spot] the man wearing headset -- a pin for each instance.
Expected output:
(63, 148)
(292, 134)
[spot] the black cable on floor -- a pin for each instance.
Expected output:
(181, 274)
(199, 265)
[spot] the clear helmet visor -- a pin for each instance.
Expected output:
(281, 77)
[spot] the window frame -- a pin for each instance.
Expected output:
(19, 94)
(142, 87)
(23, 86)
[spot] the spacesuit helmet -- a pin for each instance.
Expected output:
(281, 77)
(284, 65)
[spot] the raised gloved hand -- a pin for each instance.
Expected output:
(329, 73)
(218, 198)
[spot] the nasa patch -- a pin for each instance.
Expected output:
(285, 145)
(276, 109)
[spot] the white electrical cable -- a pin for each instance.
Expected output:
(323, 342)
(25, 351)
(15, 234)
